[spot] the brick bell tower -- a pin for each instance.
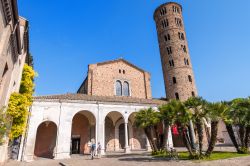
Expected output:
(175, 59)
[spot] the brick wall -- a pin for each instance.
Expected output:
(102, 77)
(45, 140)
(175, 61)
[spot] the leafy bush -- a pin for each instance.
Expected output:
(19, 103)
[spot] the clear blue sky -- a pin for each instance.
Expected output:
(66, 36)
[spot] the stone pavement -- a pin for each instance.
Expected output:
(136, 158)
(130, 160)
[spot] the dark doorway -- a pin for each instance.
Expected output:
(75, 145)
(122, 136)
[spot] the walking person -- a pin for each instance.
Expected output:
(99, 148)
(92, 150)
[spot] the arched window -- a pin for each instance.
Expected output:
(126, 89)
(177, 96)
(190, 78)
(118, 87)
(174, 80)
(169, 37)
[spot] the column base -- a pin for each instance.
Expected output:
(103, 152)
(62, 156)
(127, 150)
(148, 148)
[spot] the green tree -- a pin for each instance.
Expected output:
(4, 125)
(216, 112)
(239, 116)
(197, 106)
(183, 117)
(148, 119)
(168, 117)
(19, 103)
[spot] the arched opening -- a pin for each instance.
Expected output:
(121, 136)
(126, 90)
(138, 139)
(113, 131)
(118, 88)
(83, 132)
(46, 140)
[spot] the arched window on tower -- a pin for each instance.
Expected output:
(190, 78)
(126, 90)
(177, 96)
(118, 87)
(174, 80)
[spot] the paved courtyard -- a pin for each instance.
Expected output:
(142, 159)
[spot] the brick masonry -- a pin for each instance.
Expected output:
(169, 24)
(102, 77)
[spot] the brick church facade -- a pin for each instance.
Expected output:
(103, 77)
(104, 107)
(102, 111)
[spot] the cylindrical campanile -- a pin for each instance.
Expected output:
(175, 58)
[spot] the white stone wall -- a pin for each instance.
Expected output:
(61, 113)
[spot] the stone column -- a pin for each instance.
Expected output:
(62, 150)
(63, 142)
(96, 137)
(127, 148)
(102, 138)
(148, 147)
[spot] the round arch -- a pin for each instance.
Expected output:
(138, 139)
(111, 138)
(120, 134)
(83, 130)
(46, 139)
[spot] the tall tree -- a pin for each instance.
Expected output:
(240, 117)
(148, 119)
(168, 117)
(183, 117)
(216, 112)
(196, 105)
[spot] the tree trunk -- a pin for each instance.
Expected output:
(154, 137)
(200, 134)
(165, 141)
(157, 136)
(150, 139)
(242, 135)
(232, 137)
(214, 132)
(247, 135)
(192, 135)
(186, 140)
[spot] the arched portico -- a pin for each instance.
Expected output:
(137, 139)
(114, 130)
(46, 140)
(83, 131)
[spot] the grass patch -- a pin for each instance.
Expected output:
(214, 155)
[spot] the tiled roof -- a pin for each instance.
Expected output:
(116, 99)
